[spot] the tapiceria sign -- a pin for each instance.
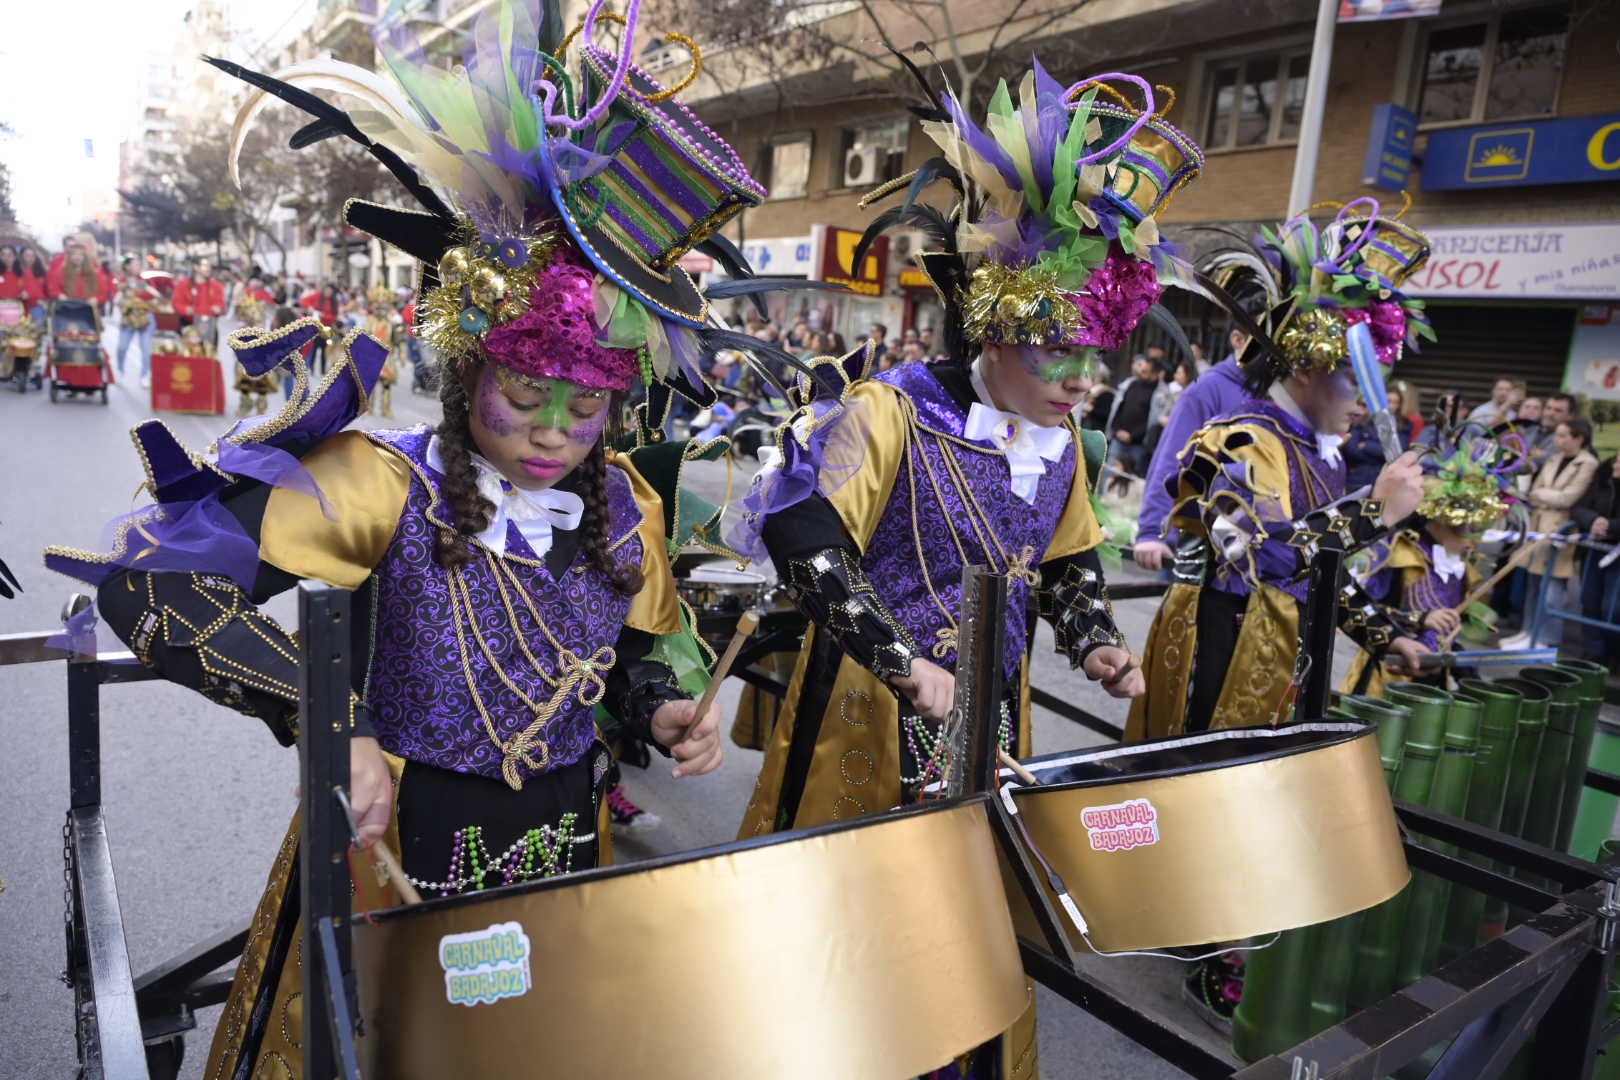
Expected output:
(1515, 262)
(837, 249)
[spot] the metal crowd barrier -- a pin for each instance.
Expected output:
(1547, 976)
(1593, 555)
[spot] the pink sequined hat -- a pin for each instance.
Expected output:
(558, 338)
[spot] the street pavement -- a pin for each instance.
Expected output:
(197, 797)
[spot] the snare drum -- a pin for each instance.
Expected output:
(1229, 834)
(867, 950)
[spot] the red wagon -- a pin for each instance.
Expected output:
(75, 360)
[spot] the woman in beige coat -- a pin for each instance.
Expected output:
(1554, 491)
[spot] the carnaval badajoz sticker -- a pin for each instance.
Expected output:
(483, 966)
(1121, 826)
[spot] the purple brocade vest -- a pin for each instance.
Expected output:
(1312, 483)
(891, 561)
(421, 704)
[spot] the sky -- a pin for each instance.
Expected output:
(69, 72)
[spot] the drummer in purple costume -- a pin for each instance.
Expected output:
(511, 571)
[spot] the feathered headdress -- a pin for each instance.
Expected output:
(1310, 284)
(1469, 480)
(555, 209)
(1053, 238)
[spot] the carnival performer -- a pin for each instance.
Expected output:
(384, 324)
(1424, 573)
(516, 567)
(136, 300)
(1264, 486)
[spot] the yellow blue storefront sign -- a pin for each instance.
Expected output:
(1572, 150)
(1387, 163)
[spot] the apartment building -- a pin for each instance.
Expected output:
(1502, 120)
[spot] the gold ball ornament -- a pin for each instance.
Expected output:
(487, 285)
(453, 267)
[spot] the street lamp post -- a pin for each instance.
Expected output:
(1310, 123)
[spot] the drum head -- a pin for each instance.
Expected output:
(879, 948)
(1214, 837)
(726, 575)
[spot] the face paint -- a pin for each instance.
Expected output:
(1052, 365)
(553, 403)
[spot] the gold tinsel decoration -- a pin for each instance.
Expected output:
(1313, 338)
(477, 291)
(1467, 502)
(1017, 304)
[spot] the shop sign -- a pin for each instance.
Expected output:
(1575, 150)
(1594, 353)
(786, 256)
(913, 278)
(1521, 262)
(838, 249)
(1388, 161)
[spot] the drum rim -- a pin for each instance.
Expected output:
(1346, 730)
(605, 873)
(742, 577)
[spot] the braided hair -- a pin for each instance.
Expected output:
(472, 511)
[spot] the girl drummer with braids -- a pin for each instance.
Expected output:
(511, 570)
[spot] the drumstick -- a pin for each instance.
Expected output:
(745, 627)
(383, 855)
(1018, 770)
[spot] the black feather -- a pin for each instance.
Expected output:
(934, 110)
(341, 123)
(750, 286)
(771, 362)
(918, 216)
(722, 250)
(312, 133)
(935, 168)
(1161, 317)
(424, 237)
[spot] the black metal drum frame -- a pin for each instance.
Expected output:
(1547, 977)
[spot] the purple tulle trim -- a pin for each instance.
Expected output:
(556, 337)
(273, 466)
(821, 464)
(184, 537)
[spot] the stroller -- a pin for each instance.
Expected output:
(75, 361)
(19, 345)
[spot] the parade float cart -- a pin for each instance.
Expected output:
(19, 346)
(75, 361)
(1546, 976)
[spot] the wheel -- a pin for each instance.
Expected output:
(163, 1059)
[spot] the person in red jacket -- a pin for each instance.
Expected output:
(75, 276)
(10, 273)
(34, 274)
(325, 304)
(200, 298)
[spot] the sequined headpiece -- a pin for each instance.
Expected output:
(1317, 282)
(1470, 485)
(559, 203)
(1054, 238)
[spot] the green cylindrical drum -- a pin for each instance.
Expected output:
(1486, 794)
(1426, 912)
(1552, 765)
(1594, 821)
(1391, 719)
(1533, 704)
(1275, 1011)
(1377, 951)
(1592, 676)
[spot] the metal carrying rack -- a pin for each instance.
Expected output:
(1547, 976)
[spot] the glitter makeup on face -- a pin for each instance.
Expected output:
(557, 399)
(1050, 368)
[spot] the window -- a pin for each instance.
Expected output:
(1505, 66)
(788, 171)
(1256, 100)
(871, 153)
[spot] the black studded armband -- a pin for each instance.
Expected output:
(830, 587)
(1347, 527)
(1074, 598)
(1367, 622)
(202, 631)
(639, 686)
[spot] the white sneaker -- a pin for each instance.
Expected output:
(1517, 641)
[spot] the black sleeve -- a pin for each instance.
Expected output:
(1073, 597)
(819, 564)
(1370, 624)
(204, 631)
(638, 685)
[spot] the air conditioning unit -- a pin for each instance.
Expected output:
(901, 245)
(861, 165)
